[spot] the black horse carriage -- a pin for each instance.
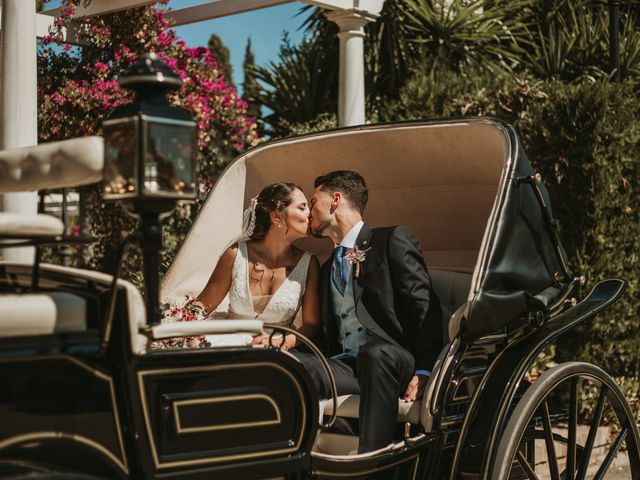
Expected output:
(82, 395)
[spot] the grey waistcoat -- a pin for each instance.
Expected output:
(351, 333)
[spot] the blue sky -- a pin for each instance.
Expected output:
(264, 26)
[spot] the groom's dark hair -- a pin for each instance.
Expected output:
(350, 184)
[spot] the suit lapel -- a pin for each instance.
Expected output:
(362, 243)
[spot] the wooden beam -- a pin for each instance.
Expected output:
(185, 16)
(102, 7)
(217, 9)
(196, 13)
(370, 6)
(224, 8)
(333, 4)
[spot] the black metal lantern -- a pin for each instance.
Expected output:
(150, 145)
(150, 158)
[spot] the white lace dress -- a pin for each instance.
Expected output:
(281, 307)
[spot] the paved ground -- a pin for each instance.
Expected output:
(619, 469)
(622, 472)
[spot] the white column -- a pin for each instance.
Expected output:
(351, 99)
(18, 100)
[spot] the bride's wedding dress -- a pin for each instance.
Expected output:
(279, 308)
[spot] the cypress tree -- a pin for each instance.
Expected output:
(250, 87)
(223, 57)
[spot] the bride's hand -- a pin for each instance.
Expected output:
(262, 339)
(266, 340)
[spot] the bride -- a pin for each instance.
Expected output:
(265, 276)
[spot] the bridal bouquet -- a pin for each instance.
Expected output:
(188, 311)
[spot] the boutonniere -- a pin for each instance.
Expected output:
(356, 257)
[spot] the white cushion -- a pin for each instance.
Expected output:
(41, 314)
(20, 225)
(52, 165)
(348, 406)
(205, 327)
(135, 302)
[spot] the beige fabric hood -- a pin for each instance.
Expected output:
(438, 178)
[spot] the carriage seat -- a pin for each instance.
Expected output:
(50, 165)
(452, 289)
(23, 226)
(42, 313)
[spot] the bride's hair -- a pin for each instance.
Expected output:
(273, 198)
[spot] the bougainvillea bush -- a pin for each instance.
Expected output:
(77, 90)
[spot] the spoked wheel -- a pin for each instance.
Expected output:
(572, 423)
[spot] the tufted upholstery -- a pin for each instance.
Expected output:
(52, 165)
(19, 225)
(452, 289)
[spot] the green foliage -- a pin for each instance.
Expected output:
(473, 93)
(459, 34)
(77, 91)
(569, 40)
(223, 57)
(584, 138)
(299, 87)
(322, 123)
(588, 397)
(250, 86)
(565, 40)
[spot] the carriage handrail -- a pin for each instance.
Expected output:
(204, 327)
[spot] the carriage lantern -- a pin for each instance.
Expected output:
(150, 145)
(150, 157)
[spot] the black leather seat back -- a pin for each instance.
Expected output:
(452, 289)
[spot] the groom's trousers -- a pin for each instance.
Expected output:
(380, 374)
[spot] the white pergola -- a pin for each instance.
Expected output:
(20, 25)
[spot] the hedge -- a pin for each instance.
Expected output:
(584, 138)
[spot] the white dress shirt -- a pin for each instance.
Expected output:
(350, 238)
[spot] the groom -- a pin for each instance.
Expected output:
(381, 318)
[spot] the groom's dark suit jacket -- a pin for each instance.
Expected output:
(393, 295)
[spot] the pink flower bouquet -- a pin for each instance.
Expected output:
(188, 311)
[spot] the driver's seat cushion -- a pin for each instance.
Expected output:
(452, 289)
(348, 406)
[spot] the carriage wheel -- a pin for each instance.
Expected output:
(553, 434)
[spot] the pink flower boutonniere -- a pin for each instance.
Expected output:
(356, 257)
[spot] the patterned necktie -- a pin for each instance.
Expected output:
(340, 269)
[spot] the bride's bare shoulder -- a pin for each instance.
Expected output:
(229, 255)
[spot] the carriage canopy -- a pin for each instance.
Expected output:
(465, 187)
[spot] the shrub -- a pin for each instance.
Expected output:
(77, 91)
(585, 139)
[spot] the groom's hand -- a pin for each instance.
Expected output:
(416, 388)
